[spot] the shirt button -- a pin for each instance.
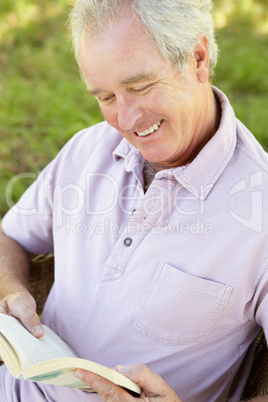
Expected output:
(128, 241)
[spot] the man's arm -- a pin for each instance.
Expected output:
(15, 298)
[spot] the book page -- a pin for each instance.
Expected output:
(62, 377)
(50, 360)
(32, 350)
(9, 356)
(60, 372)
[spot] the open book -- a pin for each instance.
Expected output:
(49, 359)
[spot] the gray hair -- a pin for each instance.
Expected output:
(175, 25)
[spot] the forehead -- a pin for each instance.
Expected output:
(123, 50)
(124, 33)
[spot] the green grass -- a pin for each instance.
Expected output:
(43, 99)
(44, 102)
(242, 72)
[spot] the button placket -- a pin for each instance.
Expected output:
(140, 223)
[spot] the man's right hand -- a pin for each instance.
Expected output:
(15, 299)
(23, 306)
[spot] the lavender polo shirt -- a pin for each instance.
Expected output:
(175, 278)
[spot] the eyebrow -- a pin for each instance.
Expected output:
(94, 92)
(136, 79)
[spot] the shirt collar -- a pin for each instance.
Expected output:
(128, 152)
(201, 174)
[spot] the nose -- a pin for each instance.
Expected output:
(129, 112)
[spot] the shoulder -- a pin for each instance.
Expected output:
(100, 137)
(86, 151)
(250, 148)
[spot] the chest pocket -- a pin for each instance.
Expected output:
(179, 308)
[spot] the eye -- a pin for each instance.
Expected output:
(143, 89)
(105, 99)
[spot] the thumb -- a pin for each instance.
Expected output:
(23, 307)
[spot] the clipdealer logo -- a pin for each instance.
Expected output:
(244, 199)
(251, 192)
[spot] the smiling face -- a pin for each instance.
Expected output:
(169, 119)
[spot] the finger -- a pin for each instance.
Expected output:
(30, 320)
(107, 390)
(23, 307)
(3, 310)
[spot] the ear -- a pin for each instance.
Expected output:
(201, 55)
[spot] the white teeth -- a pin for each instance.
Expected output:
(150, 130)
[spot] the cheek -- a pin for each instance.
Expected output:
(109, 115)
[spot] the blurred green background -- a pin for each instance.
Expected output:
(44, 102)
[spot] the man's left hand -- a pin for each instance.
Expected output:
(154, 388)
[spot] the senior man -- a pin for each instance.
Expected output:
(160, 237)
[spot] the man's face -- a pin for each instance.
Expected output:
(142, 96)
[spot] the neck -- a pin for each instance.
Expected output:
(149, 172)
(211, 114)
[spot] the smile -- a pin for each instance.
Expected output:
(150, 130)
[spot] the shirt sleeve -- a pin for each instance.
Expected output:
(29, 222)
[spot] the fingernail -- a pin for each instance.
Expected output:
(79, 375)
(38, 330)
(123, 369)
